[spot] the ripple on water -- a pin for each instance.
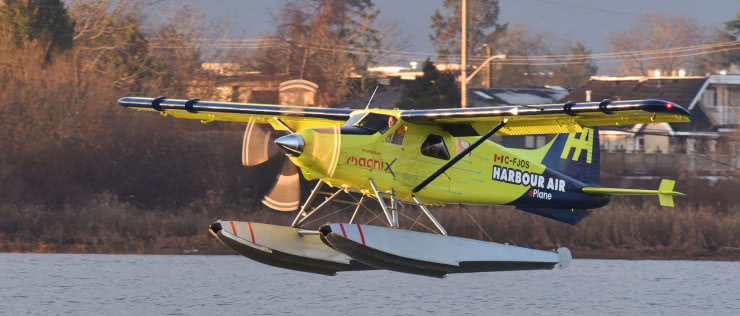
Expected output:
(176, 285)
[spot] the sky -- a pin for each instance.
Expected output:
(590, 21)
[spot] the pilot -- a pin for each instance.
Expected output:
(391, 121)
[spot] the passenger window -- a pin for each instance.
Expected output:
(434, 146)
(461, 145)
(397, 136)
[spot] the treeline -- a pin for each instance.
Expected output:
(64, 139)
(80, 174)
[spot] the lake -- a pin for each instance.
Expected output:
(75, 284)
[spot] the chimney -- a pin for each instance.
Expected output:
(588, 95)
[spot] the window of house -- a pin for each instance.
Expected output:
(709, 97)
(434, 146)
(734, 97)
(690, 145)
(712, 145)
(640, 144)
(397, 136)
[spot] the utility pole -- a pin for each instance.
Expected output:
(464, 53)
(489, 70)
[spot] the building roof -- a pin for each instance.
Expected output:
(479, 97)
(680, 90)
(388, 96)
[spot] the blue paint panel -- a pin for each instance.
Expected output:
(572, 205)
(589, 173)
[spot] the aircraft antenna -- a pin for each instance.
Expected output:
(371, 97)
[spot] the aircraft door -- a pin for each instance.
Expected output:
(398, 163)
(432, 154)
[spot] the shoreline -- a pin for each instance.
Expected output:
(730, 255)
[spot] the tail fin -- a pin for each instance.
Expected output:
(665, 192)
(576, 155)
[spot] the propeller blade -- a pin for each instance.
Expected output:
(326, 149)
(257, 145)
(286, 193)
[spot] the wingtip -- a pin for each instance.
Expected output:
(123, 101)
(663, 106)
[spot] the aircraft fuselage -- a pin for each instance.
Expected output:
(491, 174)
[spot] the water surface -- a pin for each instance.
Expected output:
(44, 284)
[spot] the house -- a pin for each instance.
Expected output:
(480, 97)
(706, 146)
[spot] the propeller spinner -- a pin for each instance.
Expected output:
(292, 144)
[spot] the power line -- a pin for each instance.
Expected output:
(545, 60)
(259, 43)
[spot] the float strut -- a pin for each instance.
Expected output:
(306, 205)
(357, 209)
(316, 209)
(382, 203)
(430, 216)
(394, 208)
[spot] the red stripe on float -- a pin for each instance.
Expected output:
(361, 235)
(233, 229)
(343, 232)
(251, 231)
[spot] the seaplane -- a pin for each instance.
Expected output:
(418, 158)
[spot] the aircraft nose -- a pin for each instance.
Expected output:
(292, 144)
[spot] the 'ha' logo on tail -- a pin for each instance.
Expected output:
(584, 142)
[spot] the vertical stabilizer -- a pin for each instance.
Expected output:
(576, 155)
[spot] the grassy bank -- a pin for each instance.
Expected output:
(620, 230)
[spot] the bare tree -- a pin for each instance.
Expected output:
(656, 31)
(520, 41)
(324, 42)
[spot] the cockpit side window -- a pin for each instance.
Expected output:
(434, 146)
(397, 136)
(377, 122)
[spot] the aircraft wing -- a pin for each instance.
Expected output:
(293, 117)
(552, 118)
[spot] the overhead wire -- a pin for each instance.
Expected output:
(279, 42)
(543, 60)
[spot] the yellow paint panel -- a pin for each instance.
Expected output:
(295, 123)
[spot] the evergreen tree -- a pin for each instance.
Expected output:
(732, 28)
(44, 21)
(434, 89)
(713, 63)
(576, 74)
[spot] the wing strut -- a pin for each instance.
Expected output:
(459, 156)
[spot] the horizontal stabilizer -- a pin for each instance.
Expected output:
(664, 192)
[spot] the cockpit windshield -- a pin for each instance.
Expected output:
(373, 121)
(353, 120)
